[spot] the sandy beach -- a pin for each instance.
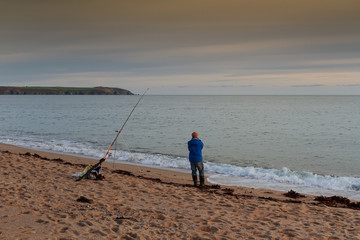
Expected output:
(41, 200)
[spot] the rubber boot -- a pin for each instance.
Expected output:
(195, 180)
(202, 181)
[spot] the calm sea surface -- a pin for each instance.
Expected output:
(307, 143)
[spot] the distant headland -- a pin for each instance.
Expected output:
(63, 91)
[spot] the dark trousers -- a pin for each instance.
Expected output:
(197, 166)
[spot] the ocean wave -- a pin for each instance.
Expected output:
(287, 176)
(219, 173)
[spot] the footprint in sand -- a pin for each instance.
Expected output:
(97, 232)
(81, 224)
(64, 229)
(159, 217)
(115, 229)
(42, 221)
(209, 229)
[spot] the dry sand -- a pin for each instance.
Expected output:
(40, 200)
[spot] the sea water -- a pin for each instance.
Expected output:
(310, 144)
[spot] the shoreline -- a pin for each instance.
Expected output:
(169, 175)
(40, 199)
(180, 175)
(148, 171)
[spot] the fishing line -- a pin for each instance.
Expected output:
(115, 153)
(132, 156)
(113, 142)
(122, 127)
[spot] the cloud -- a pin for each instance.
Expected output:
(337, 62)
(349, 85)
(231, 45)
(310, 85)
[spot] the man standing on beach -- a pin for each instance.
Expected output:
(195, 147)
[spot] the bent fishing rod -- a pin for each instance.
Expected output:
(113, 142)
(122, 127)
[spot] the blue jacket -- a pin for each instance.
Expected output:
(195, 146)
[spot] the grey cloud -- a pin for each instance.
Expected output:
(349, 85)
(234, 38)
(309, 85)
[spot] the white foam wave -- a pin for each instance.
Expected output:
(223, 174)
(287, 176)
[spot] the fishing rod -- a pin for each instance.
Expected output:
(122, 127)
(113, 142)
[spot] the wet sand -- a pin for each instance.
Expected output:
(39, 199)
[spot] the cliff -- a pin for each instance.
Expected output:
(63, 91)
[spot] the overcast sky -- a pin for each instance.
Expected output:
(183, 47)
